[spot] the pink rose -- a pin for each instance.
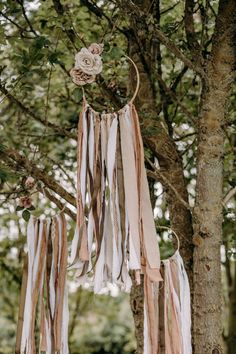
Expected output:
(96, 48)
(25, 202)
(30, 182)
(81, 78)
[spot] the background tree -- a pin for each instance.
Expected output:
(185, 52)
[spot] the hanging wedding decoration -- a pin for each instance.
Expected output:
(44, 286)
(174, 310)
(114, 208)
(177, 309)
(115, 235)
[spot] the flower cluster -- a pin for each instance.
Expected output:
(25, 203)
(88, 64)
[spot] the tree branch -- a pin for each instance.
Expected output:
(178, 79)
(169, 92)
(58, 203)
(13, 22)
(135, 10)
(69, 31)
(40, 175)
(228, 196)
(192, 42)
(169, 8)
(178, 53)
(96, 10)
(158, 176)
(21, 2)
(27, 111)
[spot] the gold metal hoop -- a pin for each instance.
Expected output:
(169, 229)
(138, 78)
(137, 83)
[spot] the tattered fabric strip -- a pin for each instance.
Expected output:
(46, 286)
(174, 319)
(115, 228)
(185, 305)
(173, 338)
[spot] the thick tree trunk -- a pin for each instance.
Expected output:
(208, 208)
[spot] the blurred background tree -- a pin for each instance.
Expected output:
(184, 53)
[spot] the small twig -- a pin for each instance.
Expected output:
(168, 43)
(21, 162)
(59, 8)
(69, 178)
(96, 10)
(178, 79)
(13, 22)
(14, 191)
(170, 8)
(228, 196)
(21, 2)
(26, 110)
(173, 96)
(57, 202)
(157, 175)
(184, 136)
(178, 53)
(192, 42)
(182, 153)
(211, 7)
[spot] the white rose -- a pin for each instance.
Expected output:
(88, 62)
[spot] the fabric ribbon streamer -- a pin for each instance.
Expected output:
(177, 310)
(45, 287)
(174, 309)
(115, 227)
(114, 208)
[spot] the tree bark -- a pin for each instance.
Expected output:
(208, 208)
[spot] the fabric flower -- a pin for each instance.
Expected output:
(80, 78)
(25, 202)
(96, 48)
(30, 182)
(89, 63)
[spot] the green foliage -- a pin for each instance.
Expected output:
(105, 326)
(34, 69)
(3, 176)
(26, 215)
